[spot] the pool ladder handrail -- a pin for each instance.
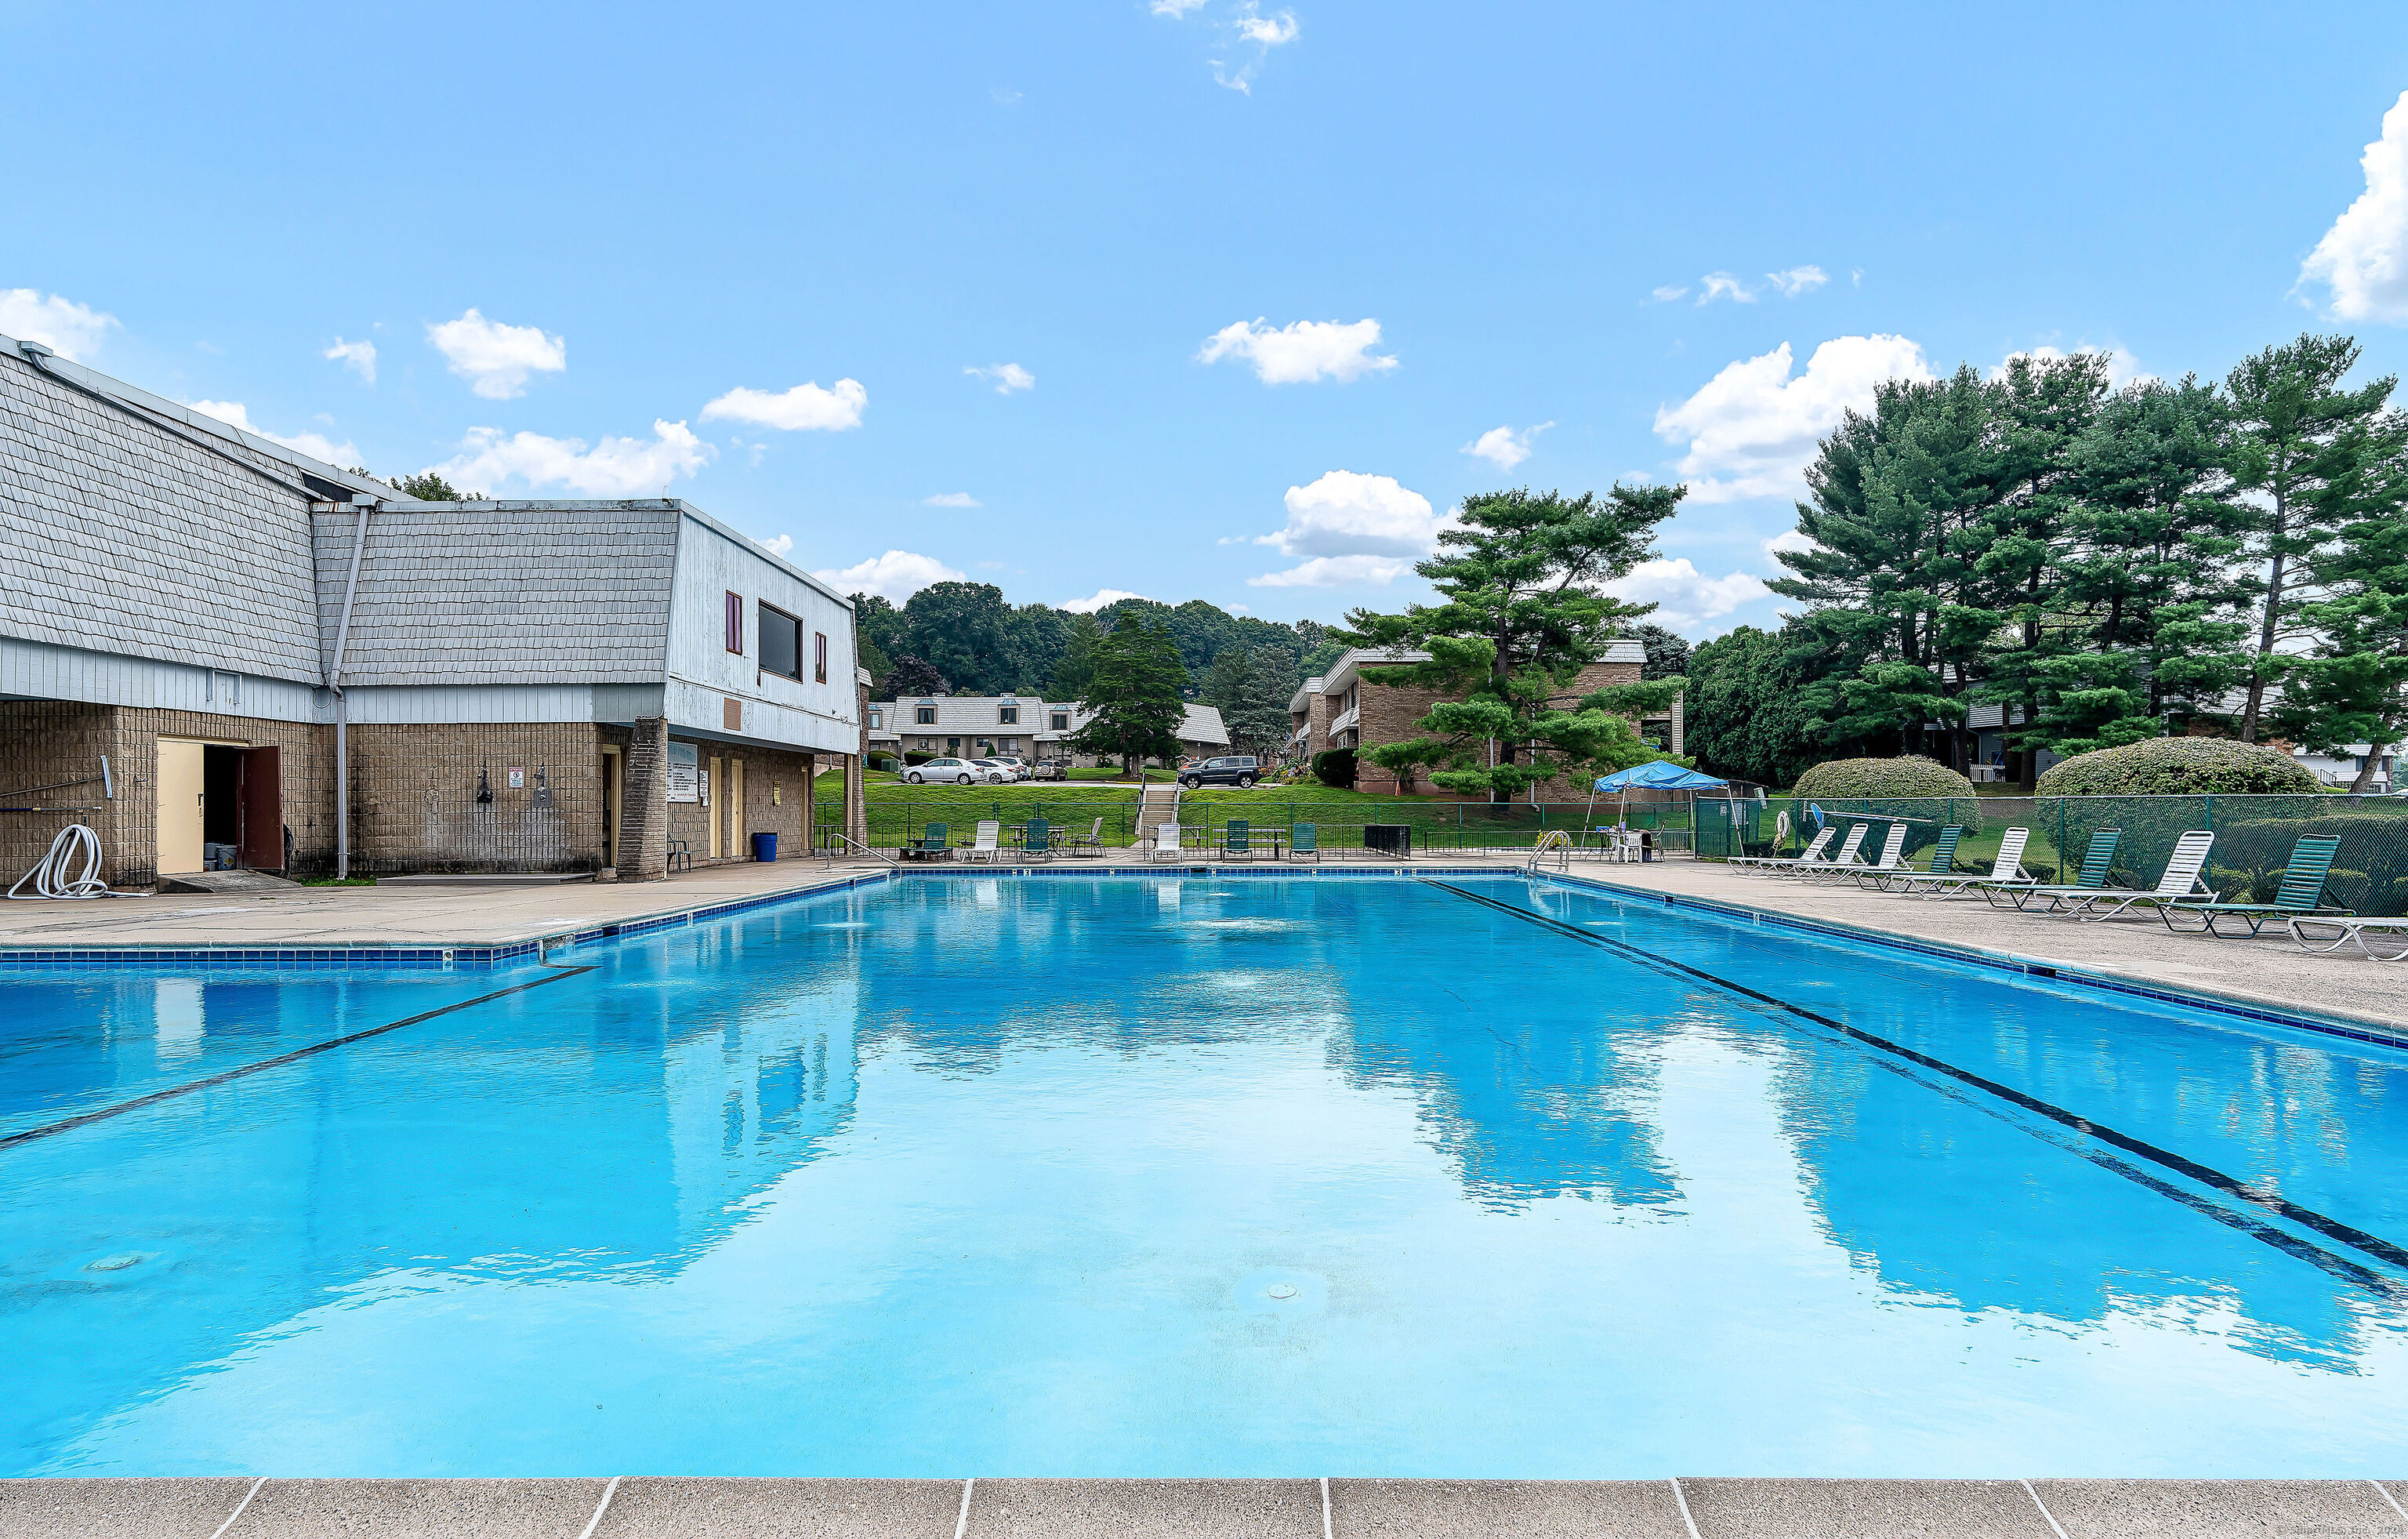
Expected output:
(838, 836)
(1553, 841)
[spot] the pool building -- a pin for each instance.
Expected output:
(287, 665)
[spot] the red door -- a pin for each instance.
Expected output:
(262, 810)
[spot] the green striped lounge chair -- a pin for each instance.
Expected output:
(1238, 839)
(2302, 893)
(1304, 840)
(1944, 863)
(2096, 862)
(1037, 839)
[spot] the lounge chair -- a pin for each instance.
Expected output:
(1813, 854)
(1844, 856)
(1089, 844)
(2091, 878)
(1947, 883)
(1304, 840)
(1943, 863)
(1893, 856)
(1849, 861)
(2346, 932)
(983, 847)
(1037, 840)
(2302, 893)
(1238, 839)
(2181, 882)
(936, 845)
(1166, 843)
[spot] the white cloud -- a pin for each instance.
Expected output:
(1175, 8)
(495, 359)
(779, 544)
(614, 468)
(1504, 448)
(1685, 597)
(316, 445)
(1722, 285)
(1668, 292)
(951, 500)
(1752, 428)
(1336, 571)
(895, 575)
(66, 329)
(1793, 282)
(1007, 377)
(359, 357)
(1301, 351)
(1102, 597)
(1788, 539)
(2362, 260)
(2122, 367)
(1355, 528)
(1268, 31)
(805, 407)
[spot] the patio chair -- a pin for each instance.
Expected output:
(1238, 839)
(2090, 878)
(2302, 893)
(1846, 860)
(2346, 931)
(2180, 882)
(1948, 884)
(1893, 856)
(936, 845)
(1089, 844)
(1812, 855)
(1943, 863)
(1304, 840)
(1166, 843)
(1037, 840)
(983, 847)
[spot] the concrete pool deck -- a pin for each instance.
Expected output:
(637, 1507)
(2267, 970)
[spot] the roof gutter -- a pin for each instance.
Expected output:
(343, 705)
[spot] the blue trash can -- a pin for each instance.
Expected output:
(765, 846)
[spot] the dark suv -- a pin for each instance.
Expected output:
(1236, 769)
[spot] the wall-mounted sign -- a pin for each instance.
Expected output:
(685, 773)
(518, 777)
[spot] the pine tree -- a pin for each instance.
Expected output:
(1075, 670)
(2352, 688)
(1134, 695)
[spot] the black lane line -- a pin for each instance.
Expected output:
(279, 1060)
(2358, 1239)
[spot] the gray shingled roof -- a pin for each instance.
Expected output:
(118, 537)
(503, 594)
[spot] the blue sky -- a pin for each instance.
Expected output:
(1265, 275)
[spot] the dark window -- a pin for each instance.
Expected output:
(1061, 721)
(926, 715)
(781, 643)
(819, 656)
(1006, 715)
(735, 624)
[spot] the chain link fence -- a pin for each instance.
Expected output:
(2254, 836)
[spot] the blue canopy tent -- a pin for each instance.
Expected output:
(1656, 775)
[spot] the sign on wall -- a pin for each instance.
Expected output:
(685, 773)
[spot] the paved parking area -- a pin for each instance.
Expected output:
(650, 1507)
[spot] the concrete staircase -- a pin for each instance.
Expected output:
(1156, 805)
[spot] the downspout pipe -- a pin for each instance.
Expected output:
(342, 706)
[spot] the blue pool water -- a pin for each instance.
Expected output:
(1242, 1176)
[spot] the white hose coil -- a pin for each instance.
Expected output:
(53, 875)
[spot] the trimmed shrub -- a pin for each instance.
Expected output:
(1335, 767)
(2172, 767)
(1873, 779)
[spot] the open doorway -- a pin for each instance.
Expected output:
(219, 805)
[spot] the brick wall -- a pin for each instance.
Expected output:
(48, 740)
(644, 808)
(777, 799)
(415, 793)
(1387, 716)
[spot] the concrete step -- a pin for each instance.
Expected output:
(227, 882)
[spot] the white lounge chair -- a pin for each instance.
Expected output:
(2008, 866)
(2346, 932)
(1166, 843)
(1843, 859)
(1812, 855)
(1893, 857)
(983, 847)
(2181, 882)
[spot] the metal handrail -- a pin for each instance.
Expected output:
(827, 854)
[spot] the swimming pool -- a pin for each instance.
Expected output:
(1225, 1175)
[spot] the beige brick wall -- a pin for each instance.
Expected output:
(45, 740)
(414, 797)
(777, 799)
(1388, 715)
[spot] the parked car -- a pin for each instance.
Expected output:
(1233, 770)
(944, 772)
(1050, 769)
(996, 770)
(1018, 765)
